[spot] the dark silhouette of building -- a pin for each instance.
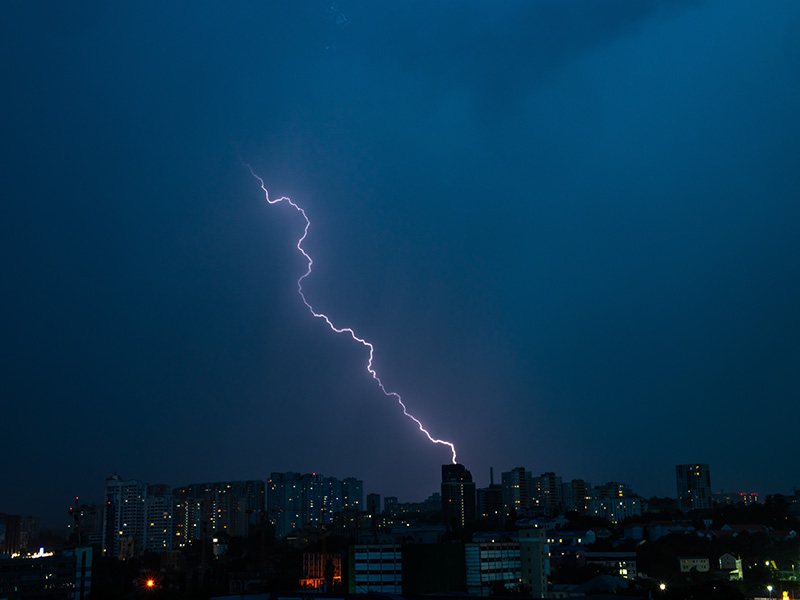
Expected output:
(458, 497)
(694, 486)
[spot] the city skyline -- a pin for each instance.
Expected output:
(54, 519)
(569, 229)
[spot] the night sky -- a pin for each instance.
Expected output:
(571, 230)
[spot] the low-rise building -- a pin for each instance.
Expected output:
(732, 565)
(63, 576)
(694, 563)
(492, 566)
(376, 568)
(622, 564)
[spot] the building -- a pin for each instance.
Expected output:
(548, 493)
(350, 496)
(732, 565)
(534, 564)
(694, 486)
(206, 509)
(490, 506)
(377, 568)
(616, 510)
(124, 518)
(17, 533)
(458, 497)
(374, 504)
(492, 567)
(728, 498)
(576, 495)
(295, 501)
(319, 569)
(66, 576)
(516, 485)
(694, 563)
(159, 522)
(622, 564)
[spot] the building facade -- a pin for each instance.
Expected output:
(458, 497)
(694, 486)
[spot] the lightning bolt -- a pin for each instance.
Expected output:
(346, 330)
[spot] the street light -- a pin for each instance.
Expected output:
(662, 587)
(769, 589)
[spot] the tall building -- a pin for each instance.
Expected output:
(159, 522)
(124, 518)
(295, 501)
(577, 494)
(548, 492)
(517, 490)
(490, 506)
(694, 486)
(204, 509)
(458, 497)
(350, 496)
(374, 504)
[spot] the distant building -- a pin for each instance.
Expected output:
(728, 498)
(616, 510)
(17, 533)
(206, 509)
(124, 518)
(374, 504)
(517, 490)
(615, 502)
(732, 565)
(159, 519)
(548, 493)
(622, 564)
(66, 576)
(295, 501)
(694, 486)
(389, 504)
(458, 497)
(576, 495)
(694, 563)
(490, 506)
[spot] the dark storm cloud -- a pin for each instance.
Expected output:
(569, 227)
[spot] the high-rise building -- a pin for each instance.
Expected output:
(458, 497)
(124, 519)
(577, 494)
(548, 492)
(694, 486)
(204, 509)
(351, 496)
(159, 519)
(295, 501)
(490, 506)
(516, 490)
(374, 504)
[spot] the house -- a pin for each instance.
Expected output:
(732, 565)
(694, 563)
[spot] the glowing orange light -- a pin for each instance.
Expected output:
(151, 583)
